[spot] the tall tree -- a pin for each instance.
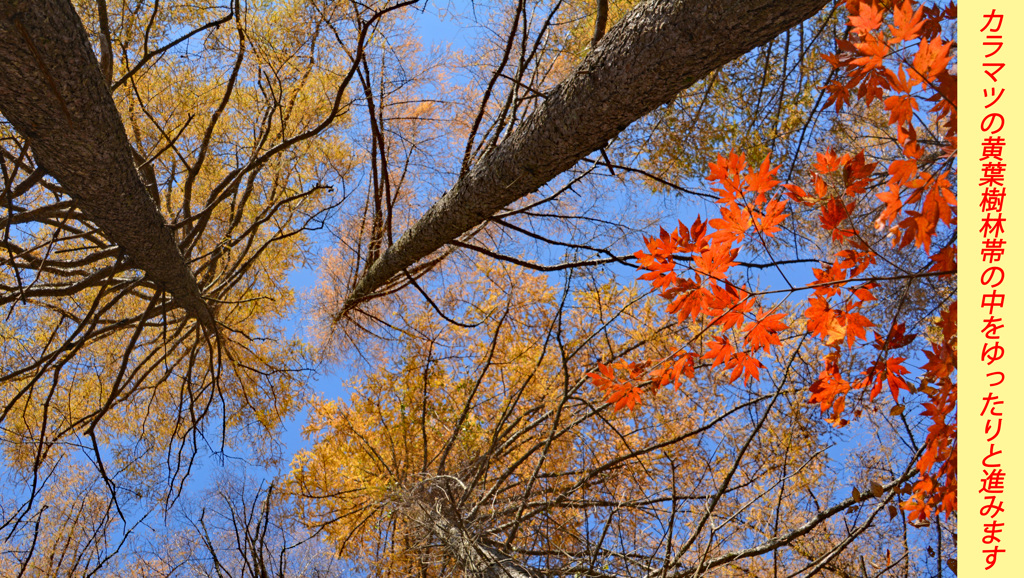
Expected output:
(487, 431)
(231, 120)
(659, 48)
(481, 452)
(54, 94)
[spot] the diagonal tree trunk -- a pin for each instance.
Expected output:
(658, 49)
(53, 93)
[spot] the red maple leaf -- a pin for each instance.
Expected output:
(931, 58)
(761, 182)
(719, 350)
(726, 171)
(763, 332)
(874, 51)
(768, 222)
(732, 226)
(821, 319)
(894, 372)
(867, 18)
(716, 260)
(834, 213)
(906, 24)
(945, 259)
(893, 204)
(746, 366)
(830, 390)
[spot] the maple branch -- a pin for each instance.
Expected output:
(541, 268)
(853, 280)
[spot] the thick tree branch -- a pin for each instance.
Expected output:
(658, 49)
(53, 92)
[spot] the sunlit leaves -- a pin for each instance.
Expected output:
(221, 103)
(763, 332)
(900, 65)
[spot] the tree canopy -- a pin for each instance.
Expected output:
(522, 234)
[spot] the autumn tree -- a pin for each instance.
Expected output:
(872, 229)
(166, 163)
(486, 450)
(887, 237)
(214, 128)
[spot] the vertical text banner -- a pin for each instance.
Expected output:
(991, 300)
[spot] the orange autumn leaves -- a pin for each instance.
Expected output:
(906, 65)
(705, 292)
(896, 55)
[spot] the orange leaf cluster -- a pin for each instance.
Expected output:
(895, 55)
(913, 70)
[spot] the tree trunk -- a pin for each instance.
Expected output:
(434, 514)
(53, 93)
(658, 49)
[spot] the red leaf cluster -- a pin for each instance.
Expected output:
(898, 56)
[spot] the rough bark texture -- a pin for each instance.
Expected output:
(434, 513)
(657, 50)
(53, 93)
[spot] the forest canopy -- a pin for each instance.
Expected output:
(603, 288)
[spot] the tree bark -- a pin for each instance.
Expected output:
(53, 93)
(433, 512)
(658, 49)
